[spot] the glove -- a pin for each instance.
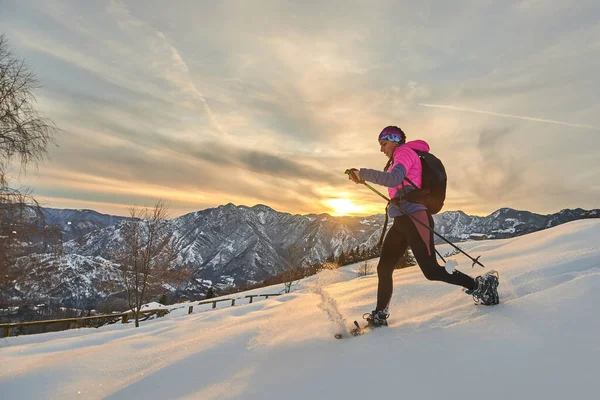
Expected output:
(354, 175)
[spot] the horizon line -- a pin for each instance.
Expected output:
(323, 213)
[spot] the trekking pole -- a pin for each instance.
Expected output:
(475, 260)
(388, 200)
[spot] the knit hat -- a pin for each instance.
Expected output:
(393, 134)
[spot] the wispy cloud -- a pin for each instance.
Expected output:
(166, 58)
(521, 117)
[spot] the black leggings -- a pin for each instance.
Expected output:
(402, 234)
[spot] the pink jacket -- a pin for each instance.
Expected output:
(405, 163)
(405, 156)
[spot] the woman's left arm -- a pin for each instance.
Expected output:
(392, 178)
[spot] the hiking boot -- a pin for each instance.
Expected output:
(486, 289)
(377, 318)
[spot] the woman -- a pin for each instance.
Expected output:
(403, 166)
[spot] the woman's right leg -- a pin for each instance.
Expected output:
(427, 260)
(394, 246)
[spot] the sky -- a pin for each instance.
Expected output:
(207, 103)
(540, 342)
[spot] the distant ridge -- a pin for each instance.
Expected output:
(231, 245)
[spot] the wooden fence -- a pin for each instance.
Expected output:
(25, 328)
(214, 302)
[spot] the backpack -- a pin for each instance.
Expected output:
(433, 183)
(433, 187)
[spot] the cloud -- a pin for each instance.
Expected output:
(499, 173)
(212, 102)
(548, 121)
(167, 60)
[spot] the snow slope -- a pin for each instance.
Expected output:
(541, 342)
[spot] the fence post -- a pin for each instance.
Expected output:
(233, 302)
(6, 331)
(214, 305)
(125, 318)
(251, 298)
(190, 309)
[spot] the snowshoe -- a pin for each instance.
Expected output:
(486, 290)
(377, 318)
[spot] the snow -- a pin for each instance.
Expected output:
(228, 280)
(539, 343)
(507, 230)
(150, 306)
(450, 266)
(262, 217)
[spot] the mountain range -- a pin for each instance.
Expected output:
(233, 245)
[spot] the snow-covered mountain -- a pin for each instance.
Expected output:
(503, 223)
(72, 279)
(75, 224)
(232, 245)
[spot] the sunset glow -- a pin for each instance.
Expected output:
(343, 207)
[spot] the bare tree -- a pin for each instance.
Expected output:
(330, 265)
(22, 230)
(294, 269)
(364, 269)
(24, 135)
(23, 132)
(147, 256)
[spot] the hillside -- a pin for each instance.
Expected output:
(539, 343)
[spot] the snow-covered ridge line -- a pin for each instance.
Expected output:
(231, 245)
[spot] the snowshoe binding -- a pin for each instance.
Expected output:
(486, 289)
(375, 319)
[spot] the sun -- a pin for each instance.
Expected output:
(342, 207)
